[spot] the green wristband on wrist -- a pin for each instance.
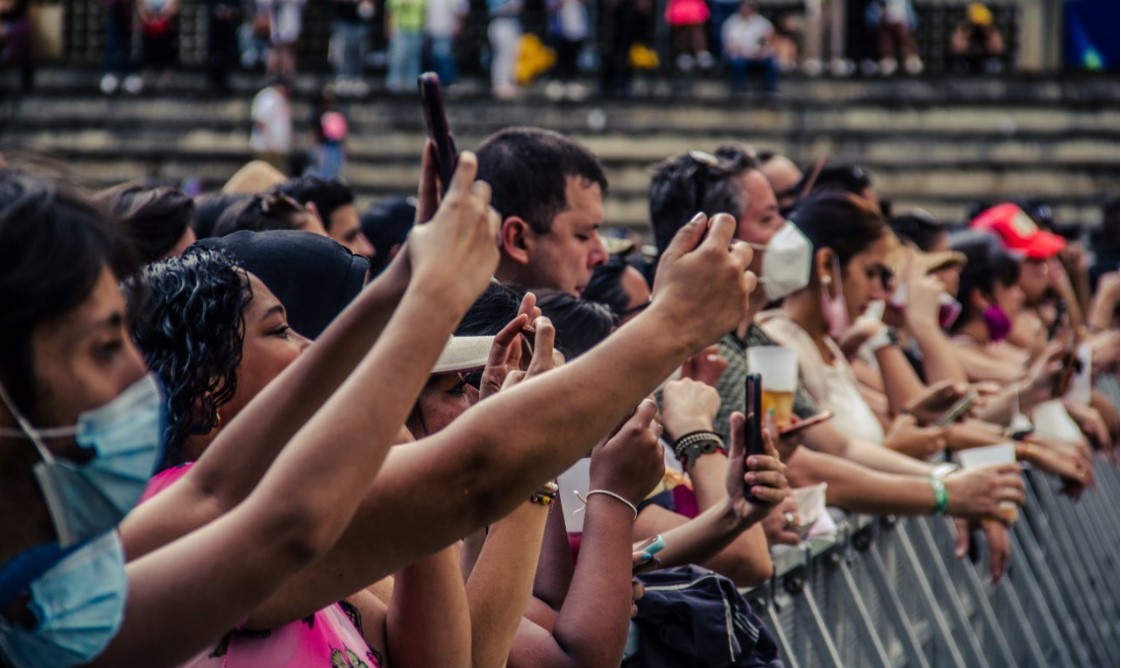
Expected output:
(941, 497)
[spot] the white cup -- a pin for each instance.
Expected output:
(777, 365)
(1002, 453)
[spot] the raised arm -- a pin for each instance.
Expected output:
(489, 460)
(234, 463)
(309, 495)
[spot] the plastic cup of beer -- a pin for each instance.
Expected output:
(1002, 453)
(778, 367)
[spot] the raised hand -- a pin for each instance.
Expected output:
(912, 440)
(702, 286)
(630, 463)
(506, 351)
(455, 254)
(706, 366)
(977, 493)
(545, 357)
(764, 475)
(688, 405)
(938, 398)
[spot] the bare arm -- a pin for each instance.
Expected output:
(309, 495)
(500, 585)
(827, 439)
(428, 622)
(473, 472)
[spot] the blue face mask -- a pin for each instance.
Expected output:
(126, 439)
(77, 604)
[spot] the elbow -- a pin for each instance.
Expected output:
(751, 572)
(299, 534)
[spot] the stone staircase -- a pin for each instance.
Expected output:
(939, 143)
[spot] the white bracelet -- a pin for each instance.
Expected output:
(614, 496)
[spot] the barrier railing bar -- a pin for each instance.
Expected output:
(855, 604)
(941, 580)
(788, 658)
(1067, 566)
(1022, 573)
(932, 609)
(1079, 548)
(1019, 617)
(894, 608)
(824, 650)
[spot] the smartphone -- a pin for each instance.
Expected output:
(960, 407)
(753, 411)
(435, 117)
(1057, 323)
(806, 424)
(1071, 365)
(652, 546)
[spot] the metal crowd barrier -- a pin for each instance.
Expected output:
(889, 592)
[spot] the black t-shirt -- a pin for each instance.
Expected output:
(346, 10)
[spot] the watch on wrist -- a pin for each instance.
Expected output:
(883, 338)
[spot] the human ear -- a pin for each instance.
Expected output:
(515, 237)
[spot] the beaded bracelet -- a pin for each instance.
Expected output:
(546, 496)
(696, 443)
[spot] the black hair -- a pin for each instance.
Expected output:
(528, 169)
(987, 264)
(493, 310)
(841, 221)
(606, 286)
(387, 224)
(153, 220)
(696, 181)
(580, 324)
(209, 208)
(54, 246)
(845, 177)
(189, 324)
(327, 194)
(273, 211)
(919, 227)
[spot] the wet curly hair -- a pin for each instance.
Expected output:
(187, 319)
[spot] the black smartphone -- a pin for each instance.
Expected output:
(1057, 323)
(436, 118)
(753, 422)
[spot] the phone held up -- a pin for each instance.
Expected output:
(435, 117)
(753, 419)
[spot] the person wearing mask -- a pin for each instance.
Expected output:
(731, 181)
(333, 202)
(157, 222)
(504, 33)
(550, 217)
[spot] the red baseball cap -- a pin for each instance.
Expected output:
(1019, 232)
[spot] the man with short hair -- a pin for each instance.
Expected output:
(333, 202)
(549, 191)
(784, 176)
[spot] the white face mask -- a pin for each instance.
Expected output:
(786, 262)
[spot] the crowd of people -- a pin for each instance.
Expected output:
(608, 41)
(256, 428)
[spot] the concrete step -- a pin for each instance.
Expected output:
(1011, 88)
(177, 114)
(1085, 150)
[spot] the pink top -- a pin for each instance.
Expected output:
(330, 638)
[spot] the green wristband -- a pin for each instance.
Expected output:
(941, 498)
